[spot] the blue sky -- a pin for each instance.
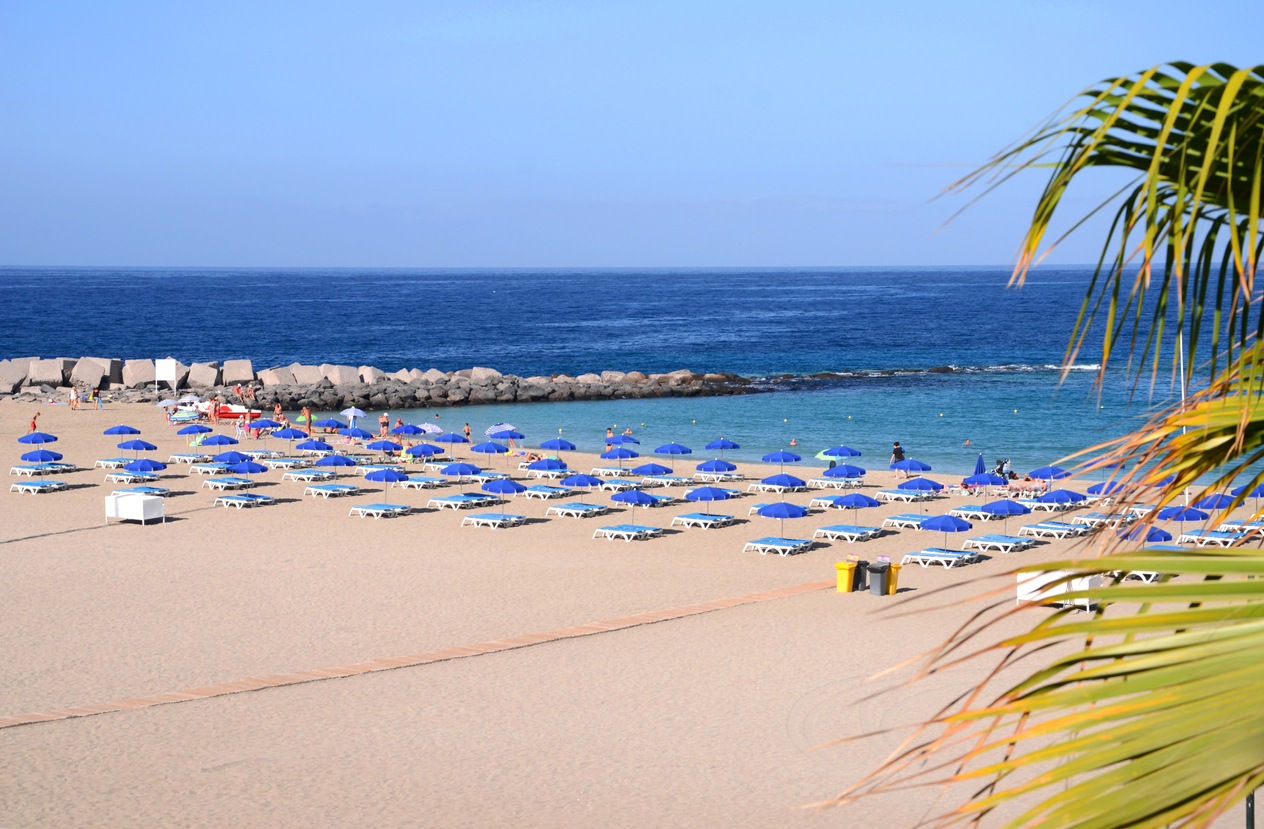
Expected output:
(536, 134)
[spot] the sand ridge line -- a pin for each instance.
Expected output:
(392, 663)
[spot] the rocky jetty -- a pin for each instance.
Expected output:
(333, 387)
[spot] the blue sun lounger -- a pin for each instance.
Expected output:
(1053, 529)
(187, 458)
(1240, 526)
(1203, 538)
(996, 541)
(328, 491)
(627, 532)
(287, 463)
(420, 482)
(212, 468)
(756, 508)
(32, 469)
(939, 555)
(544, 491)
(130, 477)
(380, 510)
(143, 490)
(781, 546)
(495, 520)
(577, 510)
(112, 463)
(616, 485)
(307, 475)
(704, 520)
(665, 480)
(227, 483)
(760, 486)
(245, 499)
(906, 521)
(836, 483)
(847, 532)
(905, 495)
(610, 471)
(36, 487)
(718, 477)
(462, 501)
(733, 493)
(1096, 519)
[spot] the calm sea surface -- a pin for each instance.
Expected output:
(1005, 398)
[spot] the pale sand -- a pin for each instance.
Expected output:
(701, 721)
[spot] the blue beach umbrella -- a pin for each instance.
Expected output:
(503, 487)
(781, 457)
(41, 456)
(838, 452)
(855, 500)
(329, 423)
(137, 446)
(716, 465)
(946, 524)
(845, 470)
(386, 476)
(634, 497)
(1258, 492)
(507, 434)
(193, 429)
(984, 479)
(673, 449)
(290, 434)
(979, 466)
(581, 482)
(782, 479)
(558, 445)
(384, 446)
(408, 429)
(219, 440)
(460, 471)
(1213, 502)
(1005, 508)
(781, 511)
(1049, 473)
(145, 465)
(619, 440)
(1105, 488)
(921, 485)
(451, 439)
(722, 444)
(38, 438)
(911, 465)
(1182, 514)
(247, 468)
(620, 454)
(651, 469)
(314, 446)
(122, 430)
(424, 450)
(1061, 496)
(232, 457)
(353, 432)
(263, 423)
(489, 448)
(546, 465)
(336, 461)
(1153, 536)
(707, 494)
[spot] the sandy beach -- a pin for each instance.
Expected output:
(704, 720)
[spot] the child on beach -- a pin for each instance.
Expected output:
(33, 419)
(896, 456)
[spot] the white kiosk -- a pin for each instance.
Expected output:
(134, 508)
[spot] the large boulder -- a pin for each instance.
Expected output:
(434, 376)
(12, 376)
(588, 378)
(50, 372)
(340, 375)
(370, 374)
(204, 375)
(402, 376)
(482, 376)
(237, 371)
(415, 374)
(138, 373)
(279, 376)
(88, 373)
(113, 368)
(612, 376)
(306, 375)
(635, 377)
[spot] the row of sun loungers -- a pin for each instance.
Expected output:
(577, 510)
(244, 499)
(36, 487)
(627, 532)
(495, 520)
(1053, 529)
(848, 533)
(50, 468)
(780, 546)
(836, 483)
(939, 555)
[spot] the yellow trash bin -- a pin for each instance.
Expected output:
(846, 575)
(893, 579)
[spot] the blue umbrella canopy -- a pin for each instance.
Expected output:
(984, 479)
(1213, 502)
(314, 446)
(619, 440)
(389, 476)
(336, 460)
(263, 423)
(946, 524)
(37, 438)
(451, 439)
(219, 440)
(722, 444)
(1049, 473)
(673, 449)
(353, 432)
(844, 470)
(231, 457)
(716, 465)
(635, 497)
(1104, 488)
(384, 446)
(921, 485)
(289, 434)
(782, 479)
(619, 453)
(651, 469)
(1182, 514)
(125, 430)
(408, 429)
(558, 445)
(1005, 507)
(137, 445)
(546, 464)
(1061, 496)
(781, 510)
(582, 480)
(193, 429)
(979, 466)
(460, 469)
(489, 448)
(247, 468)
(911, 465)
(42, 456)
(329, 423)
(781, 456)
(503, 486)
(424, 450)
(507, 434)
(1258, 492)
(1163, 481)
(708, 494)
(1154, 535)
(855, 500)
(841, 452)
(145, 465)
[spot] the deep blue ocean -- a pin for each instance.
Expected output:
(1005, 397)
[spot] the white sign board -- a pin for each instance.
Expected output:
(165, 371)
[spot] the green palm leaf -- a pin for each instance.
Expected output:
(1147, 712)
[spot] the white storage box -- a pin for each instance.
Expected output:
(140, 508)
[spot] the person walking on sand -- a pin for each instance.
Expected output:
(34, 418)
(306, 417)
(383, 423)
(897, 455)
